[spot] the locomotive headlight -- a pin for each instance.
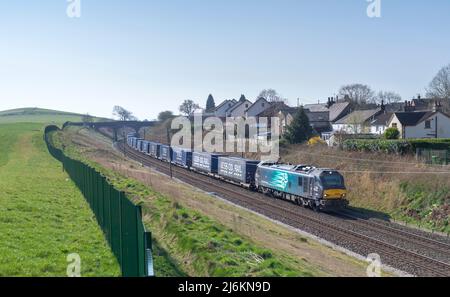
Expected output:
(343, 195)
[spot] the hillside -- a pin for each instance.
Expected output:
(39, 115)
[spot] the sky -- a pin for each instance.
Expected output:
(149, 56)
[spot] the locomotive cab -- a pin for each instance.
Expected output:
(332, 190)
(333, 185)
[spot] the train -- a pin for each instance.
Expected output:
(320, 189)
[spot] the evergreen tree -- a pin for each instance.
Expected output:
(210, 104)
(299, 130)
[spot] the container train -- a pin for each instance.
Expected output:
(318, 188)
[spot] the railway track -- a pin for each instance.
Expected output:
(392, 255)
(420, 240)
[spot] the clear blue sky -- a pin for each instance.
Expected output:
(150, 55)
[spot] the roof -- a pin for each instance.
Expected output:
(275, 107)
(239, 103)
(413, 118)
(359, 116)
(316, 107)
(337, 109)
(233, 102)
(260, 99)
(318, 116)
(382, 119)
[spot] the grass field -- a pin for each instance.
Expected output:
(43, 216)
(39, 115)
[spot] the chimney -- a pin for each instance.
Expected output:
(383, 107)
(418, 96)
(437, 106)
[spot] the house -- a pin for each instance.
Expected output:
(319, 120)
(222, 108)
(239, 109)
(258, 107)
(357, 122)
(337, 109)
(421, 124)
(380, 122)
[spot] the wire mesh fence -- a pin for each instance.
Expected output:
(119, 218)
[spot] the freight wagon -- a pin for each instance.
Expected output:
(137, 144)
(182, 157)
(154, 149)
(206, 162)
(238, 170)
(145, 147)
(302, 184)
(165, 153)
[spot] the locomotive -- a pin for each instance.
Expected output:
(321, 189)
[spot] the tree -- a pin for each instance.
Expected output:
(387, 97)
(300, 129)
(210, 104)
(357, 93)
(242, 99)
(123, 114)
(271, 96)
(391, 133)
(165, 115)
(440, 85)
(87, 118)
(188, 107)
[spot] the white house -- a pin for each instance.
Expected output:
(357, 122)
(257, 108)
(222, 108)
(238, 110)
(426, 124)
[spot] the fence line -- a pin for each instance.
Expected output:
(119, 218)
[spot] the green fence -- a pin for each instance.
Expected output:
(119, 218)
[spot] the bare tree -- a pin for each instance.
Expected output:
(387, 97)
(357, 93)
(188, 107)
(123, 114)
(271, 96)
(440, 85)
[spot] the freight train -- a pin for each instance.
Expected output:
(320, 189)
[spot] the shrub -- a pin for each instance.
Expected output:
(402, 146)
(391, 133)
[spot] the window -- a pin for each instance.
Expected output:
(428, 124)
(300, 181)
(394, 125)
(263, 105)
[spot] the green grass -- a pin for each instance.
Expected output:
(43, 216)
(40, 115)
(194, 243)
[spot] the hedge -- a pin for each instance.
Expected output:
(402, 146)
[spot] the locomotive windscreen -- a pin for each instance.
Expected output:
(332, 180)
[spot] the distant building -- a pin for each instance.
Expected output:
(357, 122)
(257, 108)
(222, 108)
(239, 109)
(421, 124)
(337, 109)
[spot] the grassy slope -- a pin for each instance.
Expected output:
(39, 115)
(197, 244)
(43, 217)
